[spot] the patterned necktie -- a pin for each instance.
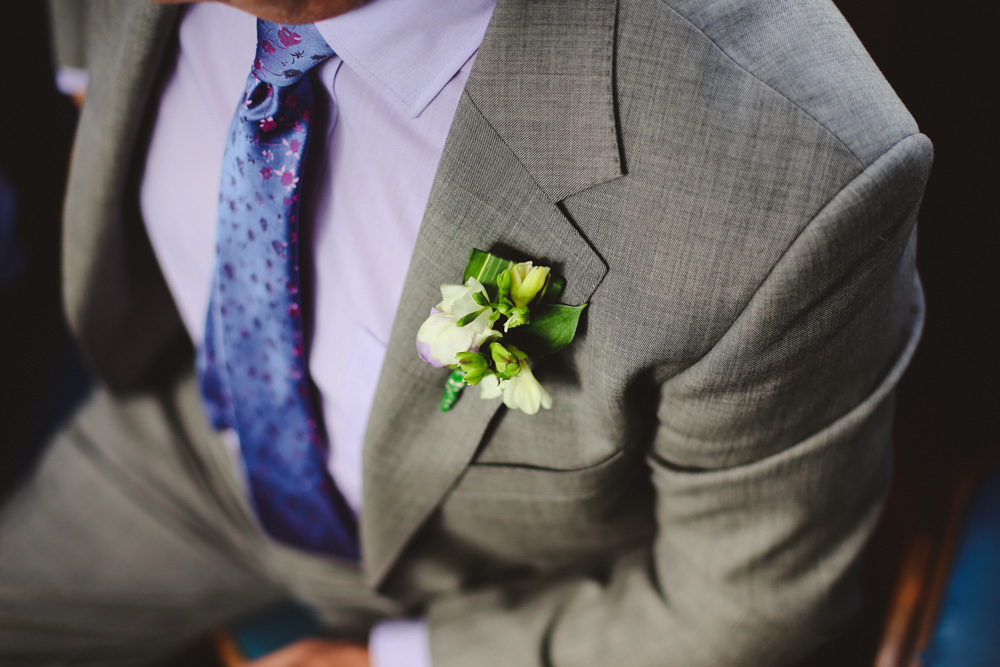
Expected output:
(253, 365)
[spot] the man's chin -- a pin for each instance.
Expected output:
(286, 11)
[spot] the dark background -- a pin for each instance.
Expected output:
(935, 56)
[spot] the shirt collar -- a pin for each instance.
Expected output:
(408, 49)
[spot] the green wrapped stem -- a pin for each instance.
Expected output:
(452, 389)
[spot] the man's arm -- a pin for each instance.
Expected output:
(770, 463)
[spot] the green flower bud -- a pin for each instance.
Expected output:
(473, 377)
(474, 365)
(503, 284)
(468, 361)
(505, 360)
(526, 281)
(516, 317)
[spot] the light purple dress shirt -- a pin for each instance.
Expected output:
(394, 85)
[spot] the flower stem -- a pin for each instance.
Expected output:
(452, 389)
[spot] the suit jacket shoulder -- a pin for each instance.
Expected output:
(739, 122)
(807, 53)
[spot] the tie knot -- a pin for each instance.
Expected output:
(285, 53)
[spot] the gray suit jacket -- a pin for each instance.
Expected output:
(732, 186)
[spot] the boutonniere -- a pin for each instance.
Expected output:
(490, 329)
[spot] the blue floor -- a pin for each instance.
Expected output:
(968, 628)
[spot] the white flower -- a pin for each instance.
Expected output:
(457, 300)
(440, 338)
(526, 281)
(521, 392)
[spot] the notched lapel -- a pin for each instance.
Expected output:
(490, 192)
(544, 80)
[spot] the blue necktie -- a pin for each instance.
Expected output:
(253, 365)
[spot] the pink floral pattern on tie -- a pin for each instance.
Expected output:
(253, 365)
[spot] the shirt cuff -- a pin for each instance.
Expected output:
(400, 643)
(71, 81)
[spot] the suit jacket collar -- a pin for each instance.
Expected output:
(536, 124)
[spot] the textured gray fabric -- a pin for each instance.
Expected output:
(67, 19)
(134, 536)
(113, 555)
(732, 187)
(105, 251)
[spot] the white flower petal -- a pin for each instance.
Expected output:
(451, 342)
(450, 294)
(445, 337)
(546, 397)
(490, 387)
(483, 328)
(457, 299)
(434, 326)
(523, 392)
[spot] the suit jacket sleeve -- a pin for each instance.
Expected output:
(771, 462)
(68, 26)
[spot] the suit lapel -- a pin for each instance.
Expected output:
(535, 125)
(115, 296)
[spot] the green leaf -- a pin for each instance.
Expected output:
(485, 268)
(552, 290)
(551, 329)
(467, 319)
